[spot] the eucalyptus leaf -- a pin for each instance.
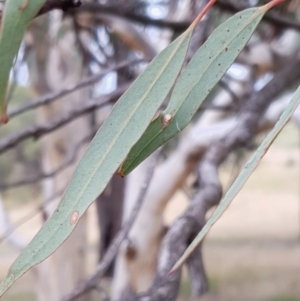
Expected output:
(16, 18)
(203, 72)
(243, 176)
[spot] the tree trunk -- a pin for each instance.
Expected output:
(57, 64)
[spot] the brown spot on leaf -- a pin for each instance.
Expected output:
(24, 5)
(74, 218)
(166, 119)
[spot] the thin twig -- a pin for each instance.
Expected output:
(275, 19)
(37, 131)
(71, 158)
(95, 8)
(110, 254)
(226, 87)
(46, 99)
(59, 4)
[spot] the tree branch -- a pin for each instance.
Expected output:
(94, 8)
(275, 19)
(70, 159)
(197, 273)
(48, 98)
(37, 131)
(59, 4)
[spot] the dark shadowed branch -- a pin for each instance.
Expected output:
(94, 8)
(65, 5)
(59, 4)
(197, 273)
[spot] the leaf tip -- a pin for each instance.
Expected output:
(121, 172)
(175, 268)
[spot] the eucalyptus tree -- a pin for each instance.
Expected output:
(155, 80)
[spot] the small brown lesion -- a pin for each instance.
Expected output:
(24, 5)
(166, 119)
(74, 217)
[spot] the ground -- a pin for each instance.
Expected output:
(252, 253)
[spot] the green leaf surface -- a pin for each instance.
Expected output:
(243, 176)
(124, 126)
(203, 72)
(16, 18)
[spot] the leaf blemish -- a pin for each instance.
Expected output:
(166, 119)
(24, 5)
(74, 217)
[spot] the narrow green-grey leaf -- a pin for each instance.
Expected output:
(203, 72)
(125, 125)
(243, 176)
(16, 18)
